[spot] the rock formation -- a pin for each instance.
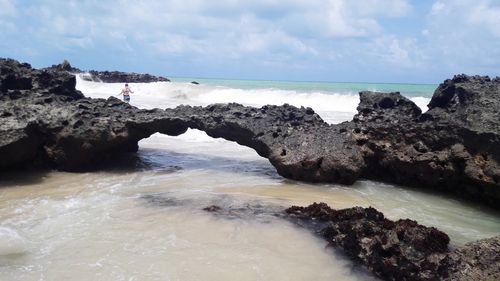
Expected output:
(46, 122)
(398, 250)
(452, 147)
(478, 260)
(392, 250)
(108, 76)
(122, 77)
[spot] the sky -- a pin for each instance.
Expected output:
(420, 41)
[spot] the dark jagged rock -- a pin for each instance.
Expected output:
(46, 122)
(20, 80)
(212, 208)
(64, 66)
(453, 147)
(295, 140)
(77, 134)
(123, 77)
(26, 96)
(195, 83)
(108, 76)
(393, 250)
(478, 260)
(399, 250)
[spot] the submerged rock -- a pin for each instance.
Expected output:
(399, 250)
(478, 260)
(454, 147)
(392, 250)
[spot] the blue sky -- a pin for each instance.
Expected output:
(423, 41)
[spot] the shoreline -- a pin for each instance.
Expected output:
(275, 132)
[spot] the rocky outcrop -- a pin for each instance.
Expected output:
(122, 77)
(392, 250)
(397, 250)
(478, 260)
(77, 134)
(453, 147)
(64, 66)
(46, 122)
(295, 140)
(108, 76)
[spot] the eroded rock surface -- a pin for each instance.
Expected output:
(392, 250)
(452, 147)
(455, 146)
(398, 250)
(478, 260)
(62, 129)
(122, 77)
(109, 76)
(295, 140)
(46, 122)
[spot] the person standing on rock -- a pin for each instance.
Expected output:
(126, 93)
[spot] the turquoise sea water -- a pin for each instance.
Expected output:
(409, 90)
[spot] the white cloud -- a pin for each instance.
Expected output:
(7, 26)
(7, 9)
(197, 20)
(390, 8)
(462, 36)
(437, 8)
(469, 14)
(397, 53)
(175, 44)
(454, 34)
(393, 51)
(344, 22)
(343, 18)
(267, 42)
(487, 16)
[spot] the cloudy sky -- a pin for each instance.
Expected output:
(420, 41)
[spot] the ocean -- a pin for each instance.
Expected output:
(142, 219)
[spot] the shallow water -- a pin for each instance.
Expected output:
(142, 219)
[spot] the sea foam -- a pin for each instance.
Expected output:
(11, 243)
(333, 107)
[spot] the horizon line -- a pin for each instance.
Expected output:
(307, 81)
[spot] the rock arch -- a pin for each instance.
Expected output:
(46, 122)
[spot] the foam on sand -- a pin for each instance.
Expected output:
(11, 243)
